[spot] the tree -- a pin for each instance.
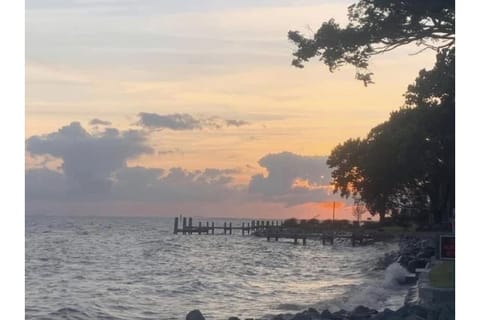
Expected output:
(375, 27)
(408, 162)
(358, 210)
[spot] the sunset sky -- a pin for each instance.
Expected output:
(147, 107)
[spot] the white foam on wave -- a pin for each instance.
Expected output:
(395, 274)
(379, 294)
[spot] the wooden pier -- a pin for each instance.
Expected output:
(271, 230)
(227, 228)
(327, 237)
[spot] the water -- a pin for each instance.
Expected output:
(135, 268)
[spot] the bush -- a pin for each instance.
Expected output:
(292, 222)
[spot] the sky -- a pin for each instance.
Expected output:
(153, 107)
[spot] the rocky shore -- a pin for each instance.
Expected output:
(413, 253)
(407, 312)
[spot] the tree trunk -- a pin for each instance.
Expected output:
(382, 217)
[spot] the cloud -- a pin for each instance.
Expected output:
(89, 159)
(168, 151)
(174, 185)
(175, 121)
(235, 123)
(292, 179)
(43, 183)
(96, 121)
(140, 184)
(184, 121)
(94, 168)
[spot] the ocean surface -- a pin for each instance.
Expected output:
(136, 268)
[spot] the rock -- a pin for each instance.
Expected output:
(278, 317)
(313, 311)
(310, 314)
(234, 318)
(416, 263)
(447, 312)
(326, 315)
(302, 316)
(413, 317)
(433, 314)
(384, 315)
(362, 312)
(341, 314)
(426, 253)
(417, 311)
(195, 315)
(404, 259)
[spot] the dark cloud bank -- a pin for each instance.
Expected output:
(95, 169)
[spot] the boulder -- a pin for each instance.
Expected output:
(447, 312)
(195, 315)
(362, 312)
(384, 315)
(341, 314)
(302, 316)
(426, 253)
(310, 314)
(416, 263)
(326, 315)
(415, 310)
(234, 318)
(313, 311)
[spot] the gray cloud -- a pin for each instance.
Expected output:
(44, 184)
(175, 121)
(292, 179)
(95, 168)
(235, 123)
(184, 121)
(169, 151)
(89, 159)
(173, 185)
(95, 122)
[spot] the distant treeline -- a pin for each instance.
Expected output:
(342, 224)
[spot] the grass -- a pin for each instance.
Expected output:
(443, 275)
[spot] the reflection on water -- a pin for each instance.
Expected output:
(135, 268)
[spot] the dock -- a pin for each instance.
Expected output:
(271, 230)
(327, 237)
(227, 228)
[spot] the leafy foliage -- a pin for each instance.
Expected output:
(375, 27)
(408, 162)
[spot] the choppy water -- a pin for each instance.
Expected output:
(135, 268)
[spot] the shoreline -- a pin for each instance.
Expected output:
(414, 252)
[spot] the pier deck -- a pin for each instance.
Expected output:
(273, 230)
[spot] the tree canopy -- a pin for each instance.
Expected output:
(406, 165)
(408, 162)
(375, 27)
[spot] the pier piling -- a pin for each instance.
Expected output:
(175, 226)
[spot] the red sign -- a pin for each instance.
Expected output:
(447, 247)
